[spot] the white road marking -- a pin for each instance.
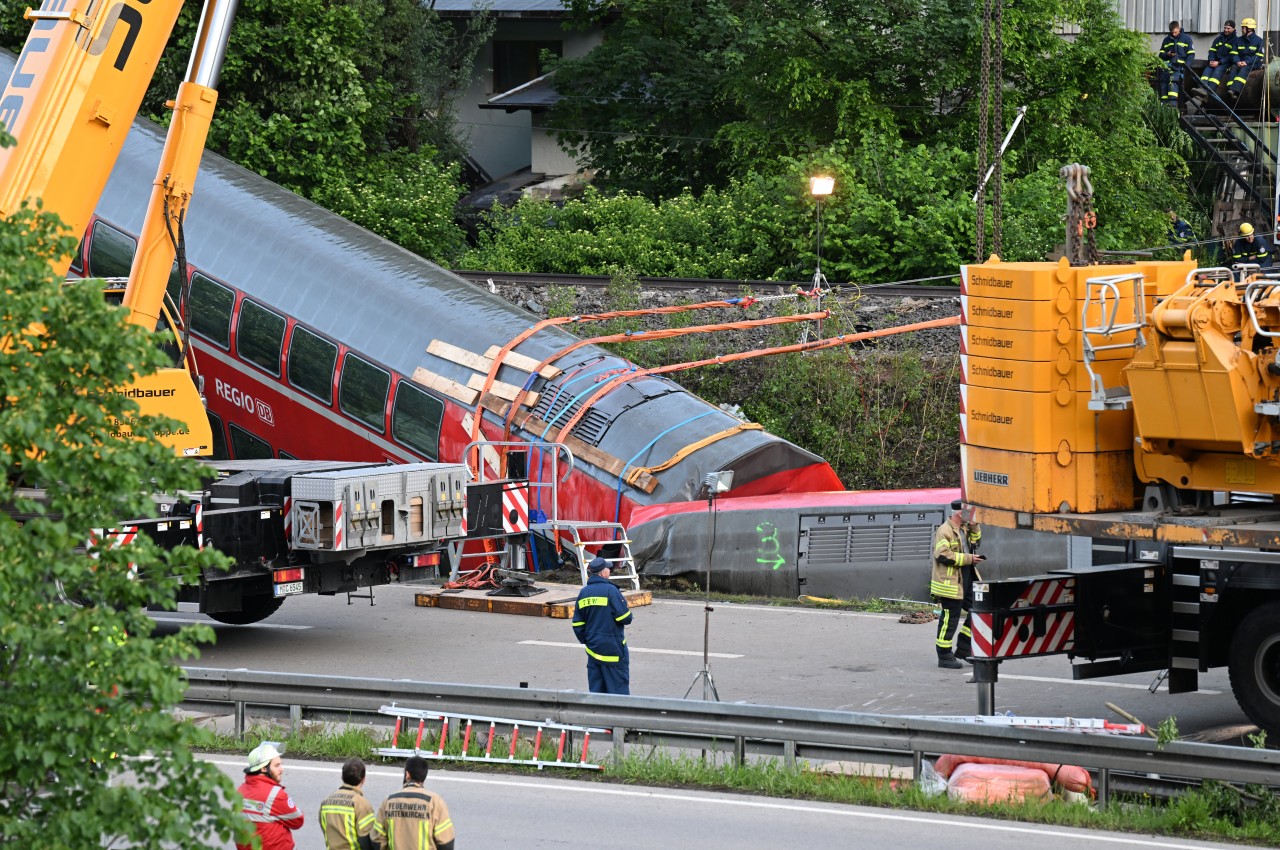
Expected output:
(781, 609)
(1098, 684)
(633, 649)
(802, 807)
(189, 622)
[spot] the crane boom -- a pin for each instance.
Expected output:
(71, 100)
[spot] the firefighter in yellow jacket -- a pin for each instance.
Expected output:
(413, 818)
(954, 570)
(345, 815)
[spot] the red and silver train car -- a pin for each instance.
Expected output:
(309, 333)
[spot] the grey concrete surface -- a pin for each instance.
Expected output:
(760, 654)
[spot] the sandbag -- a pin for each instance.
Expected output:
(1069, 777)
(997, 783)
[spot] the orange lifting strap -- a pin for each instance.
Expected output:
(634, 475)
(816, 345)
(564, 320)
(644, 336)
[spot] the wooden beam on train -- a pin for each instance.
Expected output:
(455, 354)
(523, 362)
(507, 392)
(441, 384)
(591, 454)
(495, 405)
(483, 362)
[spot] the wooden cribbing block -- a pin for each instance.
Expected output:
(439, 383)
(507, 392)
(461, 356)
(522, 362)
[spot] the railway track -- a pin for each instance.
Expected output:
(727, 287)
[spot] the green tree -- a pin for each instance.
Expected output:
(87, 688)
(347, 104)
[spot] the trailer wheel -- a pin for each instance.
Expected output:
(254, 609)
(1254, 665)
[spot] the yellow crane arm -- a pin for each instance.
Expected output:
(176, 175)
(72, 98)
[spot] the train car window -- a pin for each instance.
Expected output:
(286, 456)
(246, 446)
(362, 392)
(260, 336)
(219, 438)
(110, 251)
(415, 420)
(174, 287)
(312, 360)
(77, 259)
(210, 310)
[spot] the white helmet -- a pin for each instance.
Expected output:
(261, 756)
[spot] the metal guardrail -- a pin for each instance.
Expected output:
(789, 733)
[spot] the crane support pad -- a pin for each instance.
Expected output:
(559, 605)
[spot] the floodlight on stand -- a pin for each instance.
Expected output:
(713, 484)
(820, 186)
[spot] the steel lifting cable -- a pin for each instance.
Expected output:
(664, 333)
(984, 120)
(742, 303)
(564, 320)
(617, 503)
(634, 475)
(997, 109)
(816, 345)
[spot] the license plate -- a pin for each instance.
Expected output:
(288, 588)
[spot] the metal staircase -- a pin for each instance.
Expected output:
(1243, 160)
(594, 539)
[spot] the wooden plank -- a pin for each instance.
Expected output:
(587, 452)
(461, 356)
(634, 598)
(522, 362)
(480, 602)
(439, 383)
(507, 392)
(493, 404)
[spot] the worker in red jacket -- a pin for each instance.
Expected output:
(266, 804)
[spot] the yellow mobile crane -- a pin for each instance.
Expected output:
(289, 527)
(69, 104)
(1138, 406)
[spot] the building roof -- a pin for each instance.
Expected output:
(535, 95)
(504, 8)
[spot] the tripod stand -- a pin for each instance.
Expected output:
(714, 483)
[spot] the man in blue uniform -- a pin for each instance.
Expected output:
(1176, 52)
(1248, 55)
(599, 618)
(1251, 248)
(1180, 233)
(1221, 61)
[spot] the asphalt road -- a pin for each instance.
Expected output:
(760, 654)
(490, 811)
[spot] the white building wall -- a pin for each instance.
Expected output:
(503, 142)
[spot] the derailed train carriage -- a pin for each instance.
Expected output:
(316, 339)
